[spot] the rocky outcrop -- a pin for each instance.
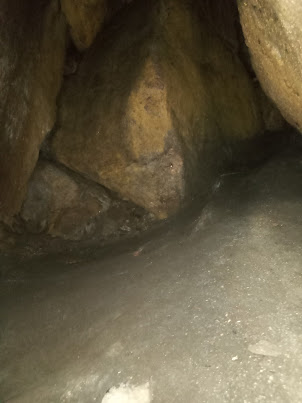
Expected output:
(156, 93)
(273, 33)
(85, 18)
(65, 205)
(60, 205)
(32, 42)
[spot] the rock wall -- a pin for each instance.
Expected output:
(157, 97)
(32, 42)
(154, 90)
(273, 33)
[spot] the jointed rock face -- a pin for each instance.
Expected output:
(155, 95)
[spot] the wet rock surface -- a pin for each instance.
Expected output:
(206, 309)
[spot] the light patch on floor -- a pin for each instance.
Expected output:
(126, 393)
(80, 386)
(115, 349)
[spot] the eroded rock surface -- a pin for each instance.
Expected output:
(32, 42)
(60, 205)
(273, 33)
(65, 205)
(156, 93)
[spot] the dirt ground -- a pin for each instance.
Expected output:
(207, 308)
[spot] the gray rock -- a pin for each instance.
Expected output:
(61, 205)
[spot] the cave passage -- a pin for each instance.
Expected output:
(150, 201)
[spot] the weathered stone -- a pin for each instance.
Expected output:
(61, 205)
(273, 33)
(85, 18)
(32, 42)
(155, 92)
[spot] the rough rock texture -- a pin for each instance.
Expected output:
(85, 18)
(63, 204)
(273, 33)
(60, 205)
(32, 42)
(156, 93)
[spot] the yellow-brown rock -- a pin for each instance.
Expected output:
(273, 33)
(152, 96)
(85, 18)
(32, 42)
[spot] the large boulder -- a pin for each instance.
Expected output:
(152, 98)
(273, 33)
(32, 42)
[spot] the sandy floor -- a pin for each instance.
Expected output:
(207, 309)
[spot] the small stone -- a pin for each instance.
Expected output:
(264, 347)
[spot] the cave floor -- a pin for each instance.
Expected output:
(205, 309)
